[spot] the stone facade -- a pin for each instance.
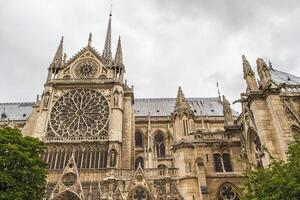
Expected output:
(105, 144)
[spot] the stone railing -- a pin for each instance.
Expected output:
(206, 136)
(287, 89)
(122, 174)
(75, 139)
(83, 81)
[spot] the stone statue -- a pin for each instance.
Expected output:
(46, 99)
(116, 99)
(227, 111)
(113, 158)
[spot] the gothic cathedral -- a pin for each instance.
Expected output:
(104, 144)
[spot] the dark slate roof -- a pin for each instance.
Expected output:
(15, 111)
(165, 106)
(282, 77)
(156, 107)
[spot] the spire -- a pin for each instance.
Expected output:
(119, 55)
(107, 46)
(90, 40)
(58, 57)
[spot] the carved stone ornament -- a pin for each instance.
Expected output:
(86, 68)
(81, 112)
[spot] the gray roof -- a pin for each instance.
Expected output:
(165, 106)
(15, 111)
(156, 107)
(282, 77)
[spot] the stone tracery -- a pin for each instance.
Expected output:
(227, 192)
(86, 68)
(81, 112)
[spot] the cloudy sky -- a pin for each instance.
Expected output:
(191, 43)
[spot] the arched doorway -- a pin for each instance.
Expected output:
(67, 195)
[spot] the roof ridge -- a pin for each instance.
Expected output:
(15, 103)
(159, 98)
(276, 70)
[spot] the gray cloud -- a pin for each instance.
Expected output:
(166, 43)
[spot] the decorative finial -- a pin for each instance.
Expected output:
(90, 40)
(244, 57)
(110, 12)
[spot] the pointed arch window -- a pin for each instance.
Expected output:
(162, 169)
(159, 141)
(138, 139)
(218, 163)
(227, 162)
(113, 158)
(222, 162)
(139, 161)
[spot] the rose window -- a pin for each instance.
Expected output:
(86, 68)
(81, 112)
(227, 192)
(69, 179)
(139, 194)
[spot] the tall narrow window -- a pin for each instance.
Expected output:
(159, 145)
(139, 161)
(227, 162)
(185, 127)
(258, 152)
(218, 163)
(138, 139)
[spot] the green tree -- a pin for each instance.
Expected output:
(279, 181)
(22, 170)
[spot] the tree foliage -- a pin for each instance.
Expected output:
(280, 180)
(22, 170)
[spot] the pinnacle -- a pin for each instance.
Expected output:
(246, 66)
(119, 56)
(244, 57)
(260, 63)
(180, 100)
(58, 57)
